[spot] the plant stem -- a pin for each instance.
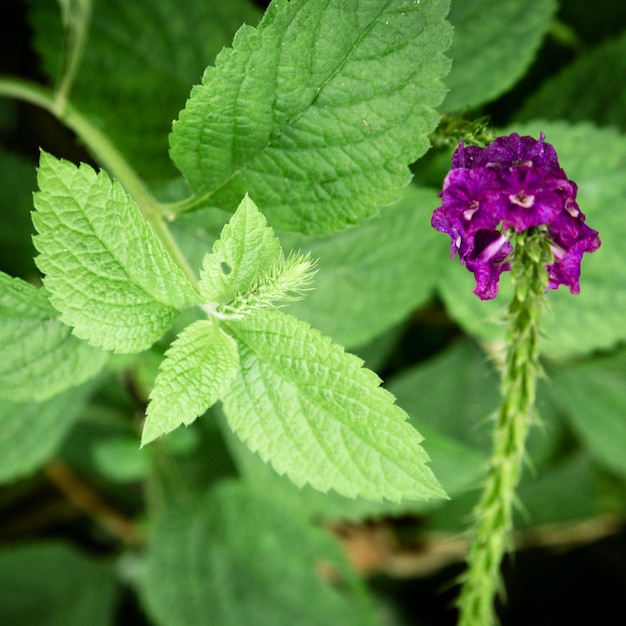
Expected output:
(494, 512)
(107, 154)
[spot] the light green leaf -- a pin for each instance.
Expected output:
(594, 319)
(106, 271)
(317, 112)
(32, 432)
(51, 584)
(592, 394)
(318, 416)
(151, 53)
(590, 83)
(247, 269)
(238, 560)
(38, 355)
(371, 277)
(494, 43)
(458, 467)
(197, 370)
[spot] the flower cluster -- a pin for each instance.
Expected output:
(512, 185)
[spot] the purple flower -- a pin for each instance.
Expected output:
(513, 184)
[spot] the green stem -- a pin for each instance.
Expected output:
(494, 512)
(105, 153)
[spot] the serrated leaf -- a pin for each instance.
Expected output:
(247, 248)
(318, 416)
(372, 276)
(106, 271)
(318, 111)
(32, 432)
(238, 560)
(247, 269)
(151, 53)
(52, 584)
(494, 43)
(38, 355)
(589, 82)
(594, 319)
(197, 370)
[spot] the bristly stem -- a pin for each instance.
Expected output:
(492, 533)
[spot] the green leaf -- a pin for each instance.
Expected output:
(590, 83)
(105, 269)
(247, 269)
(371, 277)
(238, 560)
(318, 416)
(318, 111)
(494, 43)
(456, 466)
(38, 355)
(32, 432)
(151, 54)
(51, 584)
(594, 319)
(197, 370)
(593, 396)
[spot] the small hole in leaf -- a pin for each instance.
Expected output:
(226, 269)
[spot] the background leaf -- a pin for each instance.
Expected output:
(371, 277)
(595, 159)
(589, 83)
(151, 53)
(51, 584)
(232, 562)
(494, 43)
(593, 395)
(312, 411)
(197, 370)
(105, 269)
(38, 355)
(32, 432)
(318, 112)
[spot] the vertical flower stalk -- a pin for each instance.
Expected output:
(510, 207)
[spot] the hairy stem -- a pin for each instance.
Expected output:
(494, 512)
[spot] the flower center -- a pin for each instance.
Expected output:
(521, 199)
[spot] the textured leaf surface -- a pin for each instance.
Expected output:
(593, 395)
(494, 43)
(318, 416)
(31, 432)
(247, 249)
(457, 466)
(590, 83)
(595, 159)
(197, 369)
(38, 355)
(105, 269)
(317, 112)
(234, 562)
(51, 584)
(372, 276)
(151, 53)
